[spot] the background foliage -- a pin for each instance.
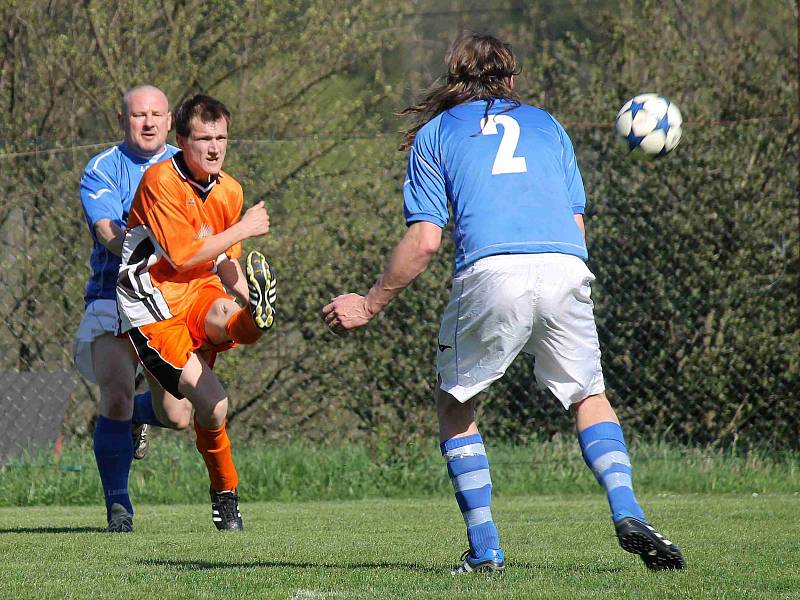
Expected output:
(696, 255)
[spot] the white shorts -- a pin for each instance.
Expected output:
(539, 304)
(99, 319)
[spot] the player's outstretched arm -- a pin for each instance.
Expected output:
(254, 223)
(408, 259)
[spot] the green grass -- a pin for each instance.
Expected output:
(737, 546)
(175, 474)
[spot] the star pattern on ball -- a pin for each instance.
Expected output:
(663, 123)
(635, 108)
(634, 140)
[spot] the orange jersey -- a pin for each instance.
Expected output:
(170, 216)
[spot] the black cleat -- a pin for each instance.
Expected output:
(121, 520)
(492, 561)
(225, 511)
(262, 286)
(141, 440)
(657, 552)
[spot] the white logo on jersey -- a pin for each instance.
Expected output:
(205, 231)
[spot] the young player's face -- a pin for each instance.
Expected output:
(204, 149)
(146, 122)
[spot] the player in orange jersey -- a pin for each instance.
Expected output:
(179, 257)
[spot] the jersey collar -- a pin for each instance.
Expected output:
(203, 188)
(142, 160)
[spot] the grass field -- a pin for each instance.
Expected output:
(173, 472)
(736, 545)
(389, 527)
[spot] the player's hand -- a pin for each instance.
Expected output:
(255, 221)
(346, 312)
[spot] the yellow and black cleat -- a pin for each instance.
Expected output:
(262, 286)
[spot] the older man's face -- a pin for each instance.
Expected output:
(146, 122)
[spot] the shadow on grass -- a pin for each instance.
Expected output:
(52, 530)
(202, 565)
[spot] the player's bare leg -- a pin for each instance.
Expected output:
(592, 410)
(226, 321)
(172, 412)
(606, 454)
(201, 386)
(468, 467)
(456, 418)
(115, 370)
(217, 322)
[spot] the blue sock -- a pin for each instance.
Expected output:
(603, 448)
(143, 410)
(113, 450)
(468, 468)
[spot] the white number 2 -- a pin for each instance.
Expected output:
(505, 161)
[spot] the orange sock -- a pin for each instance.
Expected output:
(242, 328)
(215, 447)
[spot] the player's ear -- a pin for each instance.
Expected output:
(169, 121)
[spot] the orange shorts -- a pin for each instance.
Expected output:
(165, 347)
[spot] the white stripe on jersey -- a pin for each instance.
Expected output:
(99, 193)
(139, 301)
(97, 162)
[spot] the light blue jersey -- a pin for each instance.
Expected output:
(512, 181)
(108, 185)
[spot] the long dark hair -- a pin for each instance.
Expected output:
(479, 67)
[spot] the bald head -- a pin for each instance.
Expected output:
(145, 120)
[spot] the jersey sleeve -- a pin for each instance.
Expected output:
(100, 198)
(167, 218)
(424, 188)
(572, 174)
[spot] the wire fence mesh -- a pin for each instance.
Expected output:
(696, 294)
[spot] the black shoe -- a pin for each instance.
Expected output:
(225, 511)
(657, 552)
(141, 440)
(262, 287)
(121, 520)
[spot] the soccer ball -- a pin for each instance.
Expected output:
(649, 124)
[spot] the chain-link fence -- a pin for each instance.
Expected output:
(696, 296)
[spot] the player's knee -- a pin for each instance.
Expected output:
(183, 422)
(213, 416)
(220, 313)
(117, 399)
(592, 400)
(447, 404)
(179, 416)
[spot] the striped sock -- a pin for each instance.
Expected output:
(113, 450)
(603, 448)
(468, 468)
